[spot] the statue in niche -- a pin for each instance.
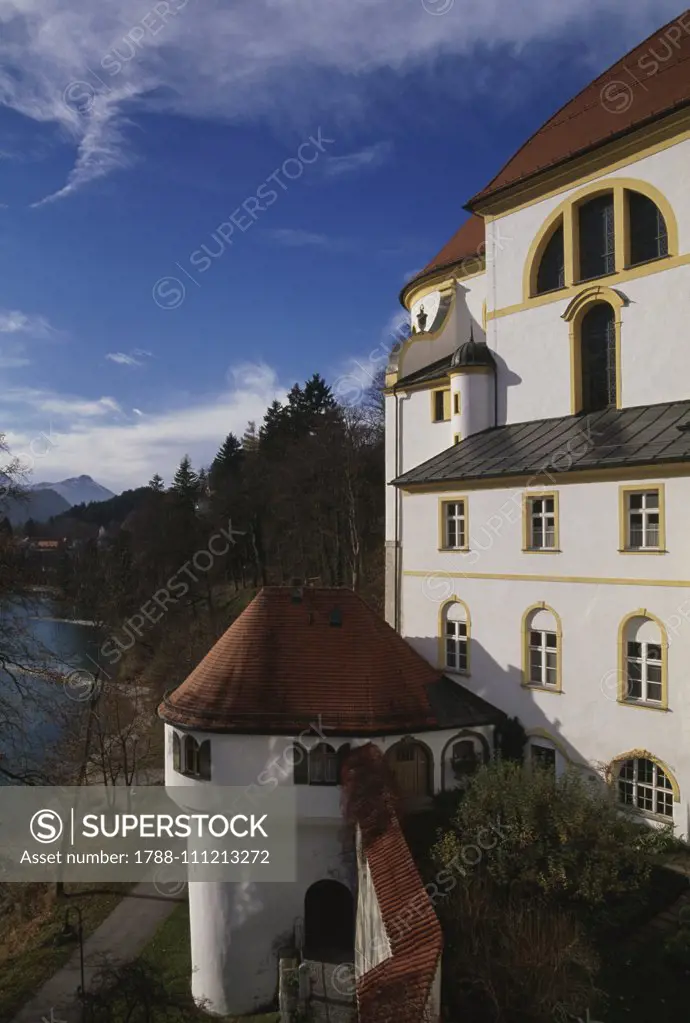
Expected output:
(421, 320)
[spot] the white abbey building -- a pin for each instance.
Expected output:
(537, 555)
(538, 438)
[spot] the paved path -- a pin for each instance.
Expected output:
(121, 937)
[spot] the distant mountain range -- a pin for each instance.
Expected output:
(44, 500)
(77, 490)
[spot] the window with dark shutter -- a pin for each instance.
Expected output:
(551, 273)
(648, 233)
(598, 357)
(597, 237)
(300, 765)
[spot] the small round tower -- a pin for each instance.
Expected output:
(473, 388)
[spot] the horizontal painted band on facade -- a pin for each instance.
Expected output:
(518, 577)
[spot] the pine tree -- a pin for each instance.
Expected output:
(227, 462)
(185, 481)
(250, 437)
(157, 483)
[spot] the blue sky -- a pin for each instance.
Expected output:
(131, 131)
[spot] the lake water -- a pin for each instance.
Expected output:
(35, 639)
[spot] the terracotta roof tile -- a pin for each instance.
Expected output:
(397, 990)
(466, 244)
(649, 82)
(281, 664)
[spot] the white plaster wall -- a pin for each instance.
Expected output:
(533, 350)
(372, 946)
(234, 925)
(509, 237)
(589, 531)
(466, 313)
(585, 718)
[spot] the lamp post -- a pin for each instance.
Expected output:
(70, 931)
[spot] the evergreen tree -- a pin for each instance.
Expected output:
(186, 481)
(228, 460)
(250, 437)
(157, 483)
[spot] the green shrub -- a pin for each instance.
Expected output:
(565, 841)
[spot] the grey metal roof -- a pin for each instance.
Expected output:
(611, 438)
(456, 706)
(434, 371)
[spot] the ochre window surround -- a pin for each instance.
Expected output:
(455, 508)
(566, 215)
(532, 511)
(440, 405)
(594, 294)
(629, 544)
(442, 624)
(623, 683)
(617, 774)
(527, 619)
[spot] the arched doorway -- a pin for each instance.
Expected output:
(329, 922)
(411, 764)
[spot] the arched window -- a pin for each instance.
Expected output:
(598, 358)
(196, 759)
(323, 765)
(597, 237)
(551, 272)
(317, 766)
(643, 656)
(455, 637)
(464, 758)
(648, 230)
(643, 784)
(176, 752)
(542, 648)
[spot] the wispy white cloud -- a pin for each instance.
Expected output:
(12, 321)
(135, 358)
(87, 67)
(363, 159)
(92, 435)
(295, 238)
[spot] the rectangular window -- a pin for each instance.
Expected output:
(454, 526)
(456, 404)
(643, 671)
(642, 520)
(541, 523)
(456, 646)
(440, 405)
(543, 658)
(597, 237)
(544, 757)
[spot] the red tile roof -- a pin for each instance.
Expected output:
(466, 245)
(649, 82)
(396, 990)
(282, 665)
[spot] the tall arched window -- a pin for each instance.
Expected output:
(551, 272)
(643, 654)
(541, 648)
(648, 230)
(455, 637)
(643, 784)
(597, 237)
(598, 358)
(317, 766)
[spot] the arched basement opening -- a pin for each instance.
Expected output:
(329, 922)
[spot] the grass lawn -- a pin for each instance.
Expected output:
(169, 955)
(29, 955)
